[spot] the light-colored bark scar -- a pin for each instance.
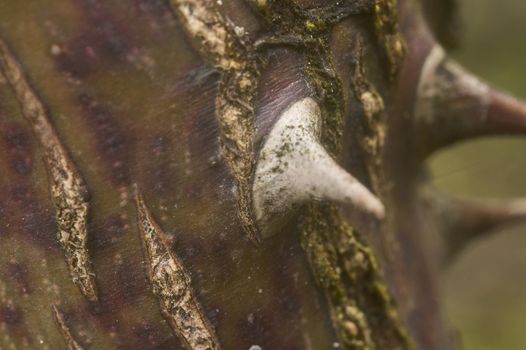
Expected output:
(171, 284)
(373, 121)
(68, 191)
(204, 22)
(387, 34)
(71, 343)
(228, 49)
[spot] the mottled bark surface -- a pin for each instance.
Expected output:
(158, 109)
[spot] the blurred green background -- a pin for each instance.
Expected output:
(485, 288)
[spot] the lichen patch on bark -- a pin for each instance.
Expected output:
(171, 284)
(362, 310)
(67, 187)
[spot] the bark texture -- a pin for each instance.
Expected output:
(152, 114)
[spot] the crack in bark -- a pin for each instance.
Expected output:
(64, 330)
(172, 285)
(228, 49)
(387, 34)
(354, 319)
(373, 118)
(67, 187)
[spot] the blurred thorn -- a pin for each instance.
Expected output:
(294, 168)
(453, 105)
(460, 222)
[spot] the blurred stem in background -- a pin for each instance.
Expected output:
(486, 287)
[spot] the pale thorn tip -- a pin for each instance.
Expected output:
(293, 168)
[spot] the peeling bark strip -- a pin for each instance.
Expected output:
(172, 285)
(68, 191)
(229, 51)
(71, 343)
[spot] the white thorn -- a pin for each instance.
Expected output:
(293, 168)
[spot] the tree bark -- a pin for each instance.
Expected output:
(137, 207)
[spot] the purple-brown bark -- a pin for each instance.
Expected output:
(159, 110)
